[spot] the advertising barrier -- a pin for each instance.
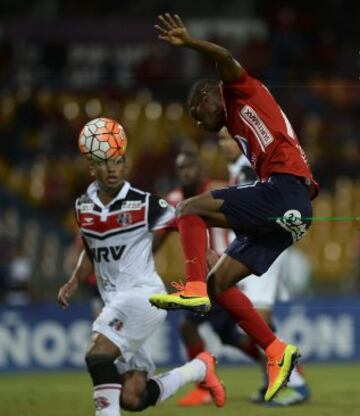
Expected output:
(45, 337)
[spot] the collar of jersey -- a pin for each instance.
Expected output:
(93, 188)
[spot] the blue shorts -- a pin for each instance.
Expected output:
(267, 217)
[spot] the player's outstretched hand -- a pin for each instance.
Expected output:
(66, 292)
(172, 30)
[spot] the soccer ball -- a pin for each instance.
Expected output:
(102, 139)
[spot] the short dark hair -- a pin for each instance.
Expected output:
(200, 85)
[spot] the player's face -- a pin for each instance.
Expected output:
(229, 148)
(207, 108)
(110, 174)
(188, 171)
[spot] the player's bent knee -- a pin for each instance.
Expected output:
(138, 398)
(130, 401)
(215, 286)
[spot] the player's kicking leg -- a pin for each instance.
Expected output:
(137, 394)
(192, 296)
(134, 391)
(296, 392)
(194, 215)
(281, 357)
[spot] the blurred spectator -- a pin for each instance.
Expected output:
(56, 75)
(19, 290)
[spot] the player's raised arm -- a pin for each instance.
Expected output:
(172, 30)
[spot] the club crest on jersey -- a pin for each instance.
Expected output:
(125, 218)
(131, 205)
(87, 207)
(117, 324)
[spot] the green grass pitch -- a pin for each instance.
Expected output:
(335, 392)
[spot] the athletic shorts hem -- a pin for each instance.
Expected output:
(242, 260)
(116, 340)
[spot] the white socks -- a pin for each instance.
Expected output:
(296, 378)
(107, 399)
(171, 382)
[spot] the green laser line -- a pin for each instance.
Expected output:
(321, 218)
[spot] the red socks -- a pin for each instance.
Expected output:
(193, 237)
(242, 310)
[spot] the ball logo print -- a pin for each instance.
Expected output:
(102, 139)
(292, 222)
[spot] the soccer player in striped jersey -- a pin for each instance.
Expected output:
(266, 218)
(116, 222)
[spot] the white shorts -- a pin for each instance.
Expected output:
(265, 290)
(128, 321)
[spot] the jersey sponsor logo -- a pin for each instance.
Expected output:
(107, 254)
(292, 222)
(86, 207)
(125, 218)
(257, 125)
(86, 221)
(113, 223)
(131, 205)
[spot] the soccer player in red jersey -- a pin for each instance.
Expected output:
(266, 218)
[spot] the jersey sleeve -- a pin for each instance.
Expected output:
(161, 215)
(243, 87)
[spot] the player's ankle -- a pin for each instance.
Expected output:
(196, 284)
(196, 287)
(274, 347)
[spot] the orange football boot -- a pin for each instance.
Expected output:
(281, 360)
(196, 397)
(191, 296)
(212, 382)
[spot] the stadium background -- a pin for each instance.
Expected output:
(64, 62)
